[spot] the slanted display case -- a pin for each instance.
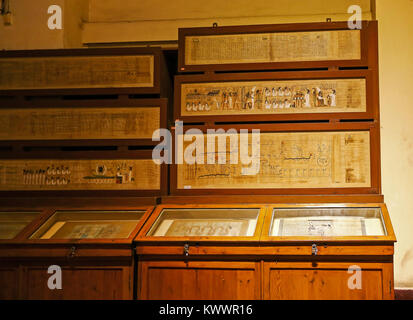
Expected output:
(91, 244)
(12, 224)
(334, 251)
(200, 252)
(267, 251)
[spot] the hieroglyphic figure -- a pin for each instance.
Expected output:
(289, 160)
(273, 97)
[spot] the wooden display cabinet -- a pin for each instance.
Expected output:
(92, 244)
(212, 98)
(200, 252)
(334, 251)
(277, 46)
(333, 158)
(306, 251)
(93, 71)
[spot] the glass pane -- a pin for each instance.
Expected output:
(205, 222)
(89, 225)
(329, 222)
(11, 223)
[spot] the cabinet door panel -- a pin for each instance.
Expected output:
(199, 280)
(87, 283)
(9, 283)
(327, 281)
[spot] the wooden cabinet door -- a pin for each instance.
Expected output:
(9, 282)
(80, 282)
(204, 280)
(327, 281)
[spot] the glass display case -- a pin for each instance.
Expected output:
(91, 241)
(329, 222)
(339, 222)
(89, 225)
(205, 222)
(12, 223)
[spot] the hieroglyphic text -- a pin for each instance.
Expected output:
(76, 72)
(79, 123)
(125, 174)
(287, 160)
(273, 47)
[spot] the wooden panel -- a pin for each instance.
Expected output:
(127, 174)
(273, 97)
(200, 280)
(9, 283)
(75, 72)
(273, 47)
(277, 46)
(327, 281)
(286, 160)
(87, 283)
(79, 123)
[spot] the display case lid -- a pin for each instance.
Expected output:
(335, 222)
(13, 223)
(91, 225)
(204, 223)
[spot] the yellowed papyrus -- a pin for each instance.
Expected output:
(125, 174)
(273, 47)
(76, 72)
(273, 97)
(79, 123)
(285, 160)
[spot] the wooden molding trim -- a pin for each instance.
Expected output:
(403, 293)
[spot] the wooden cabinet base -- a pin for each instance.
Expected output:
(200, 280)
(93, 280)
(80, 282)
(327, 281)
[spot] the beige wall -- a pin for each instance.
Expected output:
(396, 109)
(158, 20)
(29, 29)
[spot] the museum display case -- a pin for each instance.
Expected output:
(297, 251)
(277, 46)
(13, 223)
(283, 159)
(328, 251)
(200, 252)
(89, 71)
(91, 244)
(275, 96)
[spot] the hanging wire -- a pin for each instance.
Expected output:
(5, 7)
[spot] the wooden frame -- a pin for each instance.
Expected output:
(87, 155)
(375, 185)
(371, 91)
(87, 259)
(368, 46)
(337, 240)
(144, 238)
(48, 208)
(186, 292)
(65, 105)
(159, 70)
(329, 283)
